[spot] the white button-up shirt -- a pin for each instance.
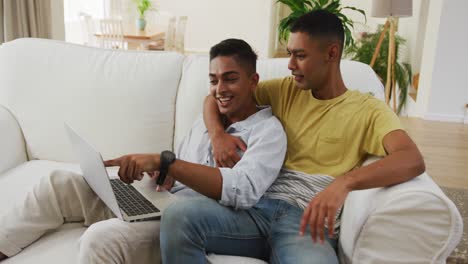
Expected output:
(248, 180)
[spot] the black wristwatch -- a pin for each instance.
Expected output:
(166, 159)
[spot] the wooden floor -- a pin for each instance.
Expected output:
(444, 146)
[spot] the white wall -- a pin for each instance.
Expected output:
(210, 21)
(410, 28)
(437, 41)
(449, 86)
(428, 58)
(439, 55)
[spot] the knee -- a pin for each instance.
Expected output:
(54, 184)
(177, 216)
(60, 178)
(94, 236)
(101, 242)
(183, 219)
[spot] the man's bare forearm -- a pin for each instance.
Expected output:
(211, 116)
(398, 167)
(403, 163)
(203, 179)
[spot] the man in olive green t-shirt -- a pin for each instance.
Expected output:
(330, 131)
(340, 130)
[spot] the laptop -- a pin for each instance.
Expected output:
(137, 202)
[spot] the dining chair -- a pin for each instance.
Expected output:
(166, 21)
(159, 18)
(179, 40)
(112, 36)
(167, 43)
(87, 28)
(170, 35)
(115, 8)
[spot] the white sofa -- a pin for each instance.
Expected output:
(127, 102)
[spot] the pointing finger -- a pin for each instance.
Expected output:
(112, 163)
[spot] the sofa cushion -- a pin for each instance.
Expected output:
(59, 246)
(22, 178)
(12, 152)
(194, 85)
(56, 246)
(120, 101)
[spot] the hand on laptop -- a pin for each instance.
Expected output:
(132, 166)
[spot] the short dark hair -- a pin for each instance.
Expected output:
(239, 49)
(320, 23)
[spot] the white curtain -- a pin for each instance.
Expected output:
(25, 18)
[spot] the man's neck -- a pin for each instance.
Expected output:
(332, 88)
(240, 116)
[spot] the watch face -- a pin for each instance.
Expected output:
(168, 156)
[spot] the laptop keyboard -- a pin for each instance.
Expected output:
(130, 200)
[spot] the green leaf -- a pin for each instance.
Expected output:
(364, 50)
(309, 3)
(332, 7)
(348, 38)
(300, 7)
(358, 10)
(322, 2)
(285, 24)
(143, 6)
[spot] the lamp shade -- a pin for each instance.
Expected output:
(395, 8)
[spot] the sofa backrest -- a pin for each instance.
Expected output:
(120, 101)
(194, 85)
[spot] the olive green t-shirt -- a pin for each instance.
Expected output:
(327, 136)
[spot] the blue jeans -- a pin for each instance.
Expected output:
(270, 231)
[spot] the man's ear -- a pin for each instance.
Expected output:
(255, 79)
(333, 52)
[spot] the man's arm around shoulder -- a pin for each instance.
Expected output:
(224, 145)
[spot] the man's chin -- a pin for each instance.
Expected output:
(223, 111)
(301, 85)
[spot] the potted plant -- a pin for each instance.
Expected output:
(301, 7)
(364, 50)
(142, 6)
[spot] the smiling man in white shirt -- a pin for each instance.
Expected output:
(233, 79)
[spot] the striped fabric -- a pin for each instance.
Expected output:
(298, 189)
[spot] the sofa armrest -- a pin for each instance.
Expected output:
(412, 222)
(12, 145)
